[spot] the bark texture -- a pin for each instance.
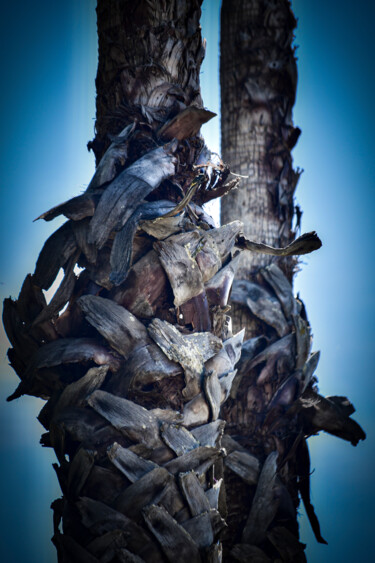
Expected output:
(274, 400)
(132, 354)
(150, 55)
(135, 353)
(258, 84)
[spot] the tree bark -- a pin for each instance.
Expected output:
(150, 55)
(268, 413)
(258, 78)
(134, 354)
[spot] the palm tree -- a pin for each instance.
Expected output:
(135, 353)
(274, 404)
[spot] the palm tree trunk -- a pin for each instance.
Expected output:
(258, 85)
(150, 55)
(134, 353)
(270, 412)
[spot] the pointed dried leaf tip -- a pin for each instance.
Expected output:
(200, 528)
(185, 124)
(178, 438)
(245, 465)
(176, 543)
(182, 270)
(143, 492)
(120, 328)
(304, 244)
(132, 420)
(190, 351)
(264, 505)
(194, 494)
(198, 460)
(129, 463)
(76, 208)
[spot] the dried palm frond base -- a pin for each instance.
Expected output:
(135, 357)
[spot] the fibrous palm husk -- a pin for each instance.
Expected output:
(139, 438)
(103, 432)
(154, 453)
(206, 360)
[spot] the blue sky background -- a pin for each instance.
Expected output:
(48, 60)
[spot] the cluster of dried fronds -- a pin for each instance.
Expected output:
(135, 357)
(134, 353)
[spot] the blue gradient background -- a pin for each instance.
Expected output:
(48, 64)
